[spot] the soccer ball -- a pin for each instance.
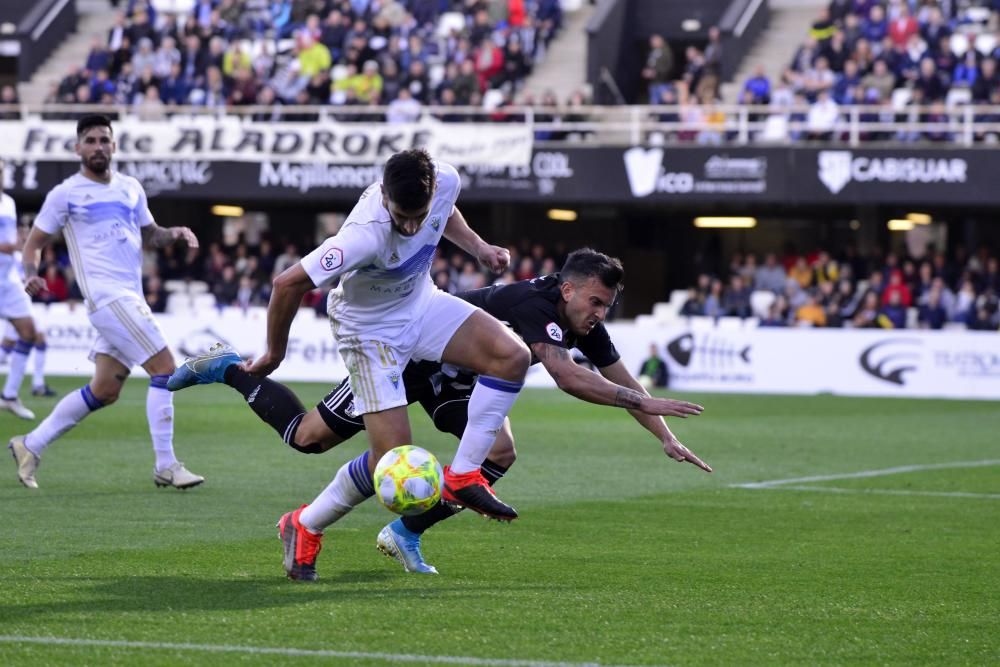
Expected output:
(408, 480)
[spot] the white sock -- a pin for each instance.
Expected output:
(68, 412)
(38, 370)
(351, 487)
(491, 400)
(160, 415)
(18, 362)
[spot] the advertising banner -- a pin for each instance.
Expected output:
(943, 364)
(499, 167)
(848, 362)
(231, 139)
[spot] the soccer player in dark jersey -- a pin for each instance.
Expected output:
(552, 314)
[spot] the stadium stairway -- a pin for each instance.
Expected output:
(563, 70)
(95, 19)
(773, 48)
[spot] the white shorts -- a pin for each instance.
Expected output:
(375, 367)
(14, 301)
(127, 331)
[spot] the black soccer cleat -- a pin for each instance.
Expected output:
(471, 490)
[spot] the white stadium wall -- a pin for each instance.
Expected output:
(943, 364)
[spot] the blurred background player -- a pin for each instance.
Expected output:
(15, 307)
(105, 219)
(39, 387)
(551, 314)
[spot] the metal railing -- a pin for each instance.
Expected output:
(739, 125)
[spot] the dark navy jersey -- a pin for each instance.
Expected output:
(530, 308)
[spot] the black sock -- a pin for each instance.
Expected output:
(493, 472)
(274, 403)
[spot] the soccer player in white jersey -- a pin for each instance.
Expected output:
(384, 312)
(105, 220)
(15, 306)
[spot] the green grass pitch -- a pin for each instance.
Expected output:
(621, 556)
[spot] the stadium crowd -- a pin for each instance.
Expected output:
(821, 289)
(275, 53)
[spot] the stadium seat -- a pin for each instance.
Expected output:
(173, 6)
(175, 286)
(760, 302)
(986, 42)
(959, 44)
(450, 21)
(900, 98)
(775, 128)
(958, 97)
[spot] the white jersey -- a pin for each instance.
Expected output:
(384, 276)
(101, 223)
(8, 234)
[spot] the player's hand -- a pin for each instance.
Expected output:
(263, 365)
(35, 285)
(673, 448)
(494, 258)
(185, 234)
(669, 407)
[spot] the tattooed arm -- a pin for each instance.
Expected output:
(594, 388)
(154, 236)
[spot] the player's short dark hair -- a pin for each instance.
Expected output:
(588, 263)
(92, 120)
(408, 179)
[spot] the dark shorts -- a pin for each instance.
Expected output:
(444, 398)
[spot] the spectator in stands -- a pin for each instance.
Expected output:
(987, 82)
(811, 313)
(847, 89)
(8, 97)
(897, 288)
(736, 301)
(836, 52)
(713, 52)
(403, 109)
(659, 67)
(823, 28)
(156, 294)
(653, 372)
(770, 276)
(713, 301)
(56, 288)
(875, 27)
(893, 315)
(867, 315)
(932, 313)
(903, 26)
(775, 314)
(694, 305)
(880, 79)
(964, 303)
(930, 82)
(757, 89)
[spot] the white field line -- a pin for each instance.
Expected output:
(390, 658)
(886, 492)
(770, 484)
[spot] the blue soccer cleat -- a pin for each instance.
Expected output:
(395, 541)
(205, 368)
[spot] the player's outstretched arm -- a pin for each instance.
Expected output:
(289, 287)
(154, 236)
(594, 388)
(37, 239)
(457, 230)
(672, 447)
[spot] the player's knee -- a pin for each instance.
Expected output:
(106, 395)
(515, 358)
(312, 448)
(310, 438)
